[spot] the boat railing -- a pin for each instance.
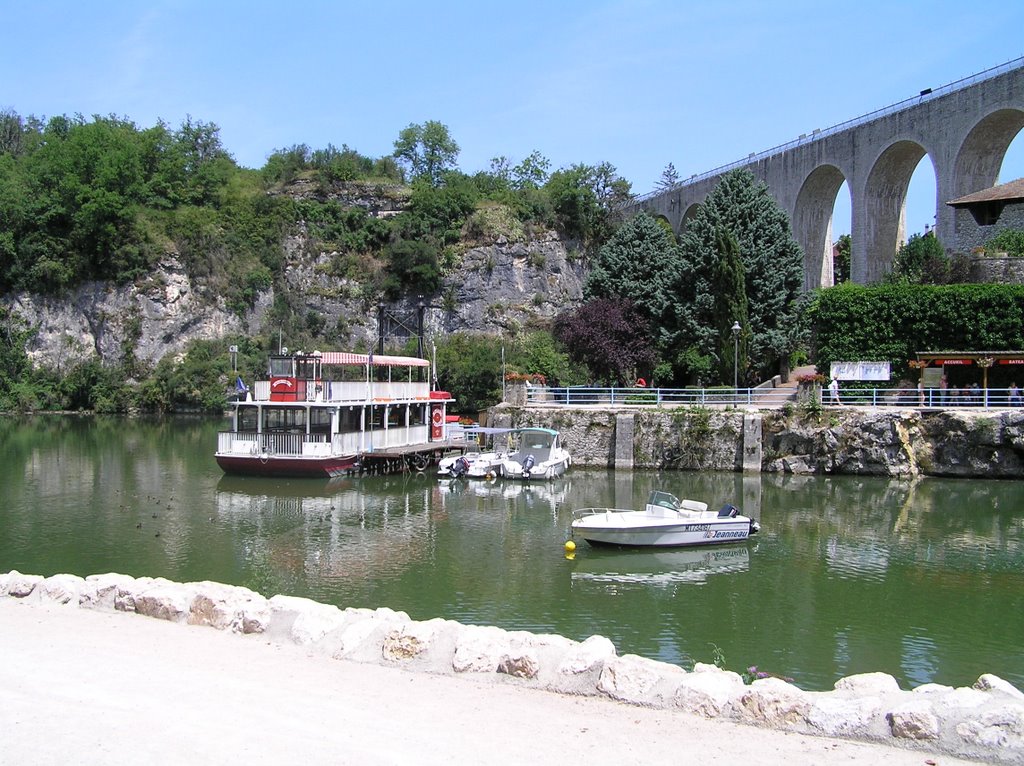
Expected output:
(580, 513)
(384, 439)
(351, 391)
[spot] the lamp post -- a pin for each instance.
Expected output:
(736, 356)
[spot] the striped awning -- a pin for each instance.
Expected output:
(378, 360)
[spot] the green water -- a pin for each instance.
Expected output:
(923, 580)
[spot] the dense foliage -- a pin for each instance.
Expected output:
(1009, 241)
(892, 322)
(611, 337)
(773, 275)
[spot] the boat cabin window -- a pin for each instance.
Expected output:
(248, 418)
(396, 417)
(281, 367)
(350, 420)
(320, 420)
(376, 414)
(284, 419)
(418, 415)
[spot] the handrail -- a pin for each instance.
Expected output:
(769, 398)
(929, 94)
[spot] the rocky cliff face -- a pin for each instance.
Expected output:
(500, 288)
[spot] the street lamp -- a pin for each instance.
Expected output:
(736, 356)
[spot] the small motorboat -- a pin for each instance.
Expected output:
(472, 465)
(539, 455)
(475, 463)
(664, 521)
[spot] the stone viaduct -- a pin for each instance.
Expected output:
(965, 128)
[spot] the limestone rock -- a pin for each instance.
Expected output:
(100, 590)
(302, 620)
(640, 681)
(708, 690)
(868, 684)
(164, 600)
(589, 655)
(773, 702)
(914, 720)
(228, 607)
(520, 663)
(989, 682)
(61, 589)
(21, 585)
(362, 634)
(413, 639)
(1000, 730)
(834, 715)
(480, 649)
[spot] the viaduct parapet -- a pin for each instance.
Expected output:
(965, 128)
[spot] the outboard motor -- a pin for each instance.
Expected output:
(528, 465)
(459, 468)
(728, 511)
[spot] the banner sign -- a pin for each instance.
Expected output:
(860, 370)
(1011, 361)
(942, 362)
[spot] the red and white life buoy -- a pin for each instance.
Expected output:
(436, 422)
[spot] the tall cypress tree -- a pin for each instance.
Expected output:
(730, 306)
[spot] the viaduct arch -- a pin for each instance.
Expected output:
(965, 128)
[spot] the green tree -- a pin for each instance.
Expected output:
(428, 150)
(586, 200)
(730, 307)
(841, 260)
(773, 273)
(640, 263)
(921, 261)
(470, 365)
(669, 178)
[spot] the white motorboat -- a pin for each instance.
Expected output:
(474, 463)
(664, 521)
(539, 455)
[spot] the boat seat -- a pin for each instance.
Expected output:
(693, 505)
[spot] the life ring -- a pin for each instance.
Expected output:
(641, 383)
(436, 417)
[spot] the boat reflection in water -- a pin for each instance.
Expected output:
(659, 568)
(325, 538)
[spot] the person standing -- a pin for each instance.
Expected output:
(833, 391)
(1014, 395)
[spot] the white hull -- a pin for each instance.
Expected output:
(549, 469)
(482, 465)
(637, 528)
(665, 522)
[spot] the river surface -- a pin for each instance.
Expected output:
(920, 579)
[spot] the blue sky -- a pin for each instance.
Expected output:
(637, 84)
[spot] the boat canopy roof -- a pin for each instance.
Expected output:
(378, 360)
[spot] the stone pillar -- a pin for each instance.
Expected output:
(752, 442)
(515, 393)
(623, 442)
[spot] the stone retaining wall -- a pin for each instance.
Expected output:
(826, 440)
(985, 721)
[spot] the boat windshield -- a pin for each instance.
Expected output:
(663, 499)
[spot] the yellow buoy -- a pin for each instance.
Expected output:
(570, 546)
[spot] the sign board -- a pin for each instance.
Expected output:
(860, 370)
(932, 377)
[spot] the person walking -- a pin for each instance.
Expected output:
(833, 391)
